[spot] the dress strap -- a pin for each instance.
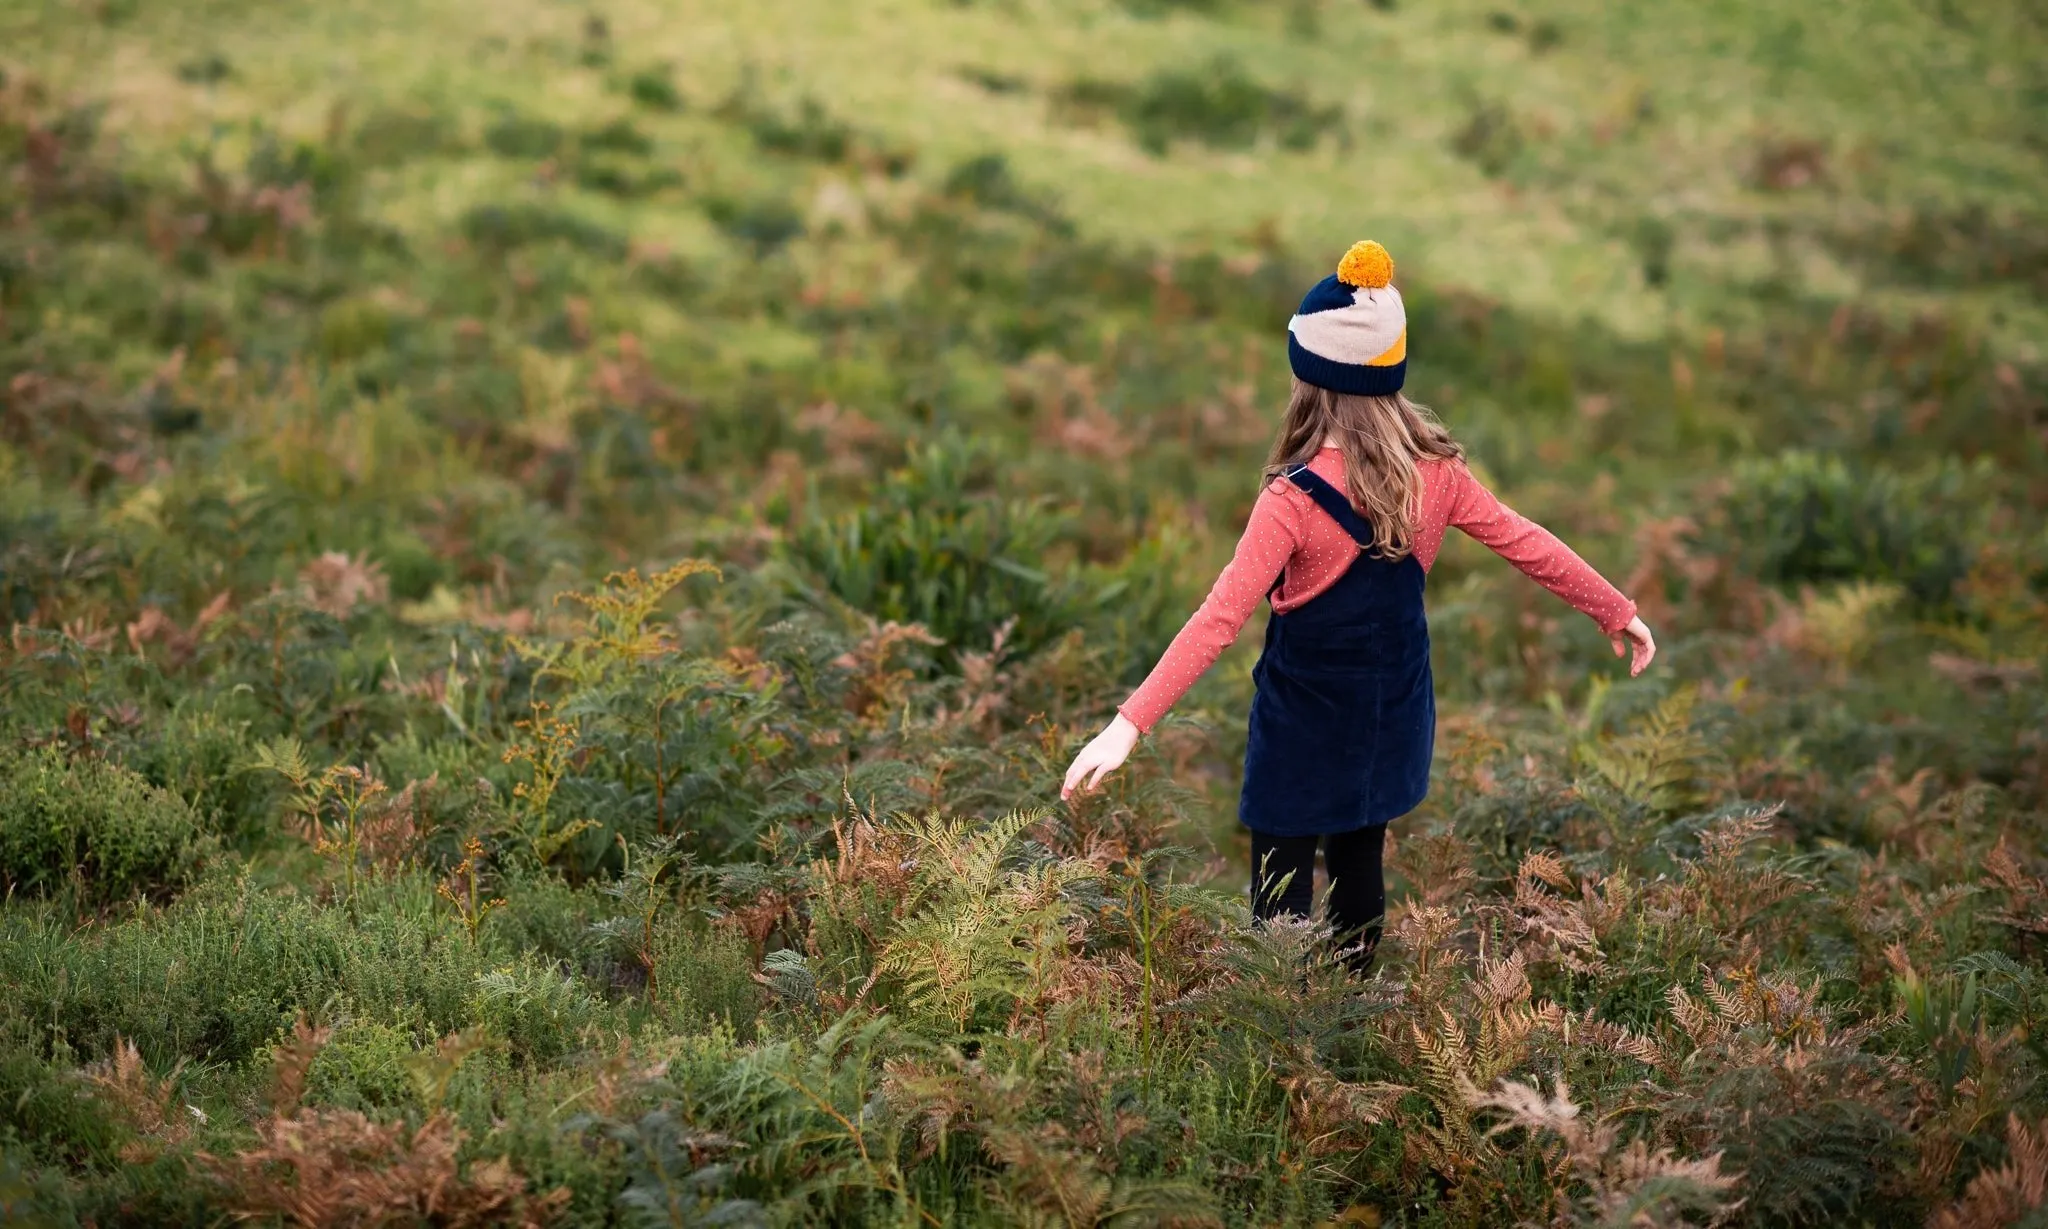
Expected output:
(1332, 501)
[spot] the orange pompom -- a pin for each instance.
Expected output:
(1366, 265)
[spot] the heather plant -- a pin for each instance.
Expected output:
(364, 1066)
(97, 830)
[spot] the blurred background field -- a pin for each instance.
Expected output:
(366, 836)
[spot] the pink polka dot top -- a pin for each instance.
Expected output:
(1289, 534)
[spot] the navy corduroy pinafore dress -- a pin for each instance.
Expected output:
(1343, 720)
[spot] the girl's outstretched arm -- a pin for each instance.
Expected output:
(1538, 554)
(1270, 539)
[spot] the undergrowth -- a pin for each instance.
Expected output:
(503, 723)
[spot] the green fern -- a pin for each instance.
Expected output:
(983, 931)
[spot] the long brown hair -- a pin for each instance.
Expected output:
(1383, 439)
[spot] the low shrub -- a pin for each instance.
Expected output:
(766, 222)
(1490, 138)
(389, 136)
(620, 136)
(1141, 601)
(542, 1011)
(199, 752)
(987, 180)
(92, 825)
(655, 89)
(811, 133)
(937, 546)
(219, 974)
(623, 178)
(520, 136)
(1160, 8)
(1218, 104)
(354, 328)
(501, 228)
(49, 1116)
(211, 68)
(1807, 518)
(363, 1067)
(706, 977)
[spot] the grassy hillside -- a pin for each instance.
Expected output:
(1529, 153)
(394, 831)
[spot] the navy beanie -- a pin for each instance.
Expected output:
(1351, 334)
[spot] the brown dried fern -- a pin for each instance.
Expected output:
(150, 1105)
(338, 1169)
(1595, 1182)
(2004, 1196)
(2026, 896)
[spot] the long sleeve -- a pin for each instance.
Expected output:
(1271, 537)
(1535, 551)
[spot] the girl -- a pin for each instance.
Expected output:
(1359, 488)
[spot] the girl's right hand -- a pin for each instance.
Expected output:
(1637, 636)
(1102, 756)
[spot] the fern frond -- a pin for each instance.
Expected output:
(2012, 1194)
(1546, 868)
(1502, 983)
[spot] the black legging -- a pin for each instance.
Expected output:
(1358, 887)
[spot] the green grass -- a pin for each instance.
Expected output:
(353, 358)
(1629, 115)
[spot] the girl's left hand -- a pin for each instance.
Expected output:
(1102, 756)
(1637, 636)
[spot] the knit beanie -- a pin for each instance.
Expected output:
(1351, 334)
